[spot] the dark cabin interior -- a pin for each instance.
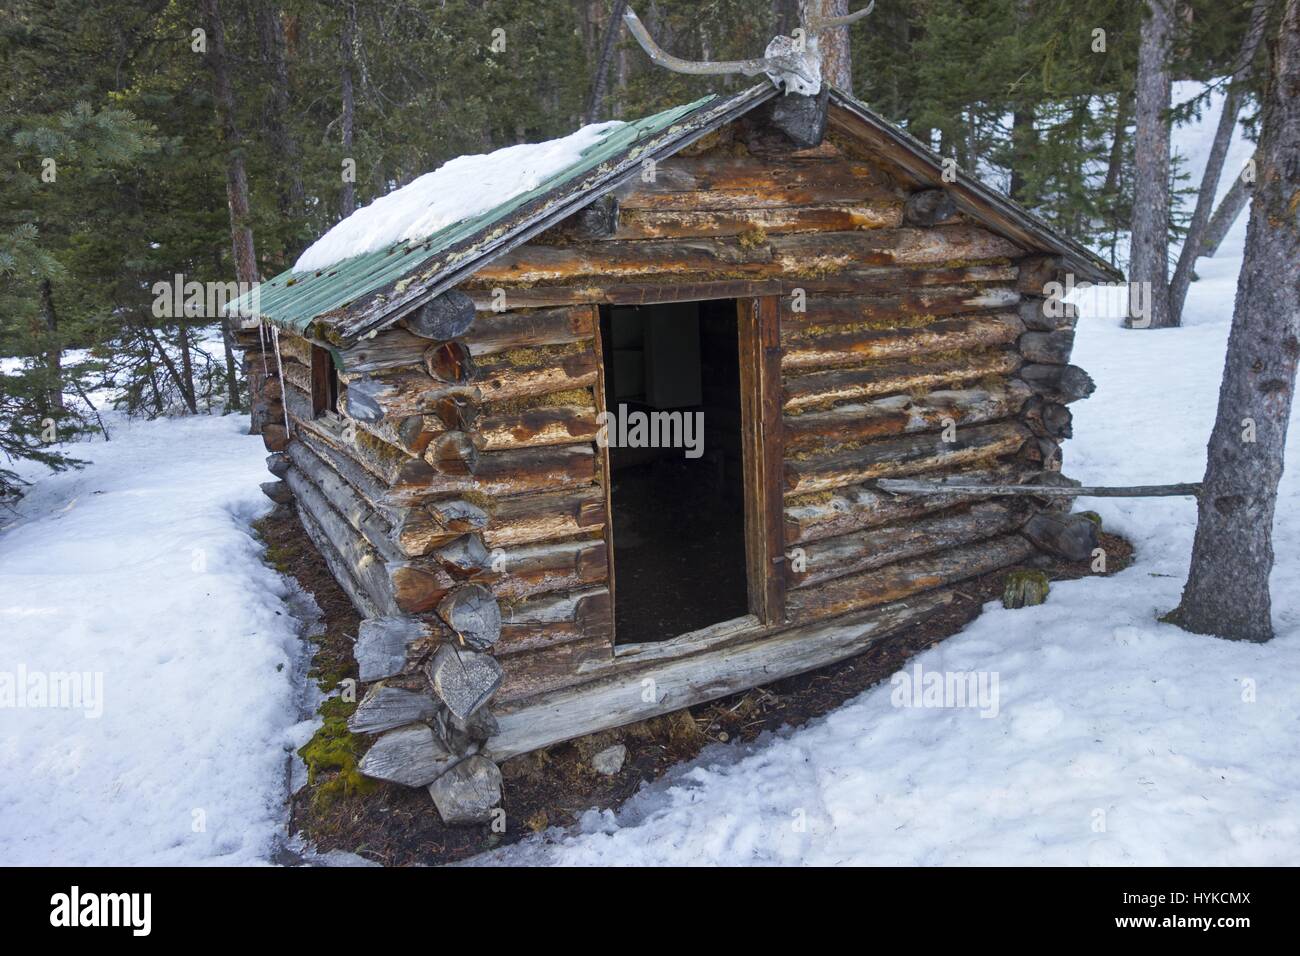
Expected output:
(679, 530)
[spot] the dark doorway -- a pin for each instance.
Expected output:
(678, 511)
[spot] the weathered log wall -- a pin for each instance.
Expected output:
(906, 347)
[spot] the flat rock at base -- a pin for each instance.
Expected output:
(409, 756)
(610, 760)
(382, 643)
(463, 680)
(467, 792)
(384, 708)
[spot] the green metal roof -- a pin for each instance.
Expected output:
(292, 300)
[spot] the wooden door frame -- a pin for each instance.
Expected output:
(759, 358)
(763, 453)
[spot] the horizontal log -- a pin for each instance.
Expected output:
(528, 570)
(798, 254)
(387, 646)
(351, 559)
(839, 346)
(473, 614)
(906, 578)
(744, 182)
(548, 619)
(408, 755)
(1035, 272)
(392, 348)
(903, 456)
(418, 588)
(857, 507)
(1048, 419)
(826, 388)
(540, 374)
(930, 207)
(532, 427)
(532, 672)
(1048, 315)
(854, 279)
(443, 317)
(1058, 383)
(505, 473)
(544, 517)
(529, 328)
(833, 558)
(619, 698)
(1051, 348)
(902, 414)
(449, 363)
(879, 309)
(327, 491)
(384, 708)
(757, 222)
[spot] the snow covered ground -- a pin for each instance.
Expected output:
(140, 574)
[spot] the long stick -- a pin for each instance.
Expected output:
(913, 486)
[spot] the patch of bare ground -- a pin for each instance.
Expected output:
(398, 826)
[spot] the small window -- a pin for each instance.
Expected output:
(324, 383)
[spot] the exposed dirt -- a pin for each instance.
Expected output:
(398, 826)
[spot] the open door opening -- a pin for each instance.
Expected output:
(677, 491)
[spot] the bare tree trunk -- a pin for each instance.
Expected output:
(1149, 253)
(1234, 202)
(270, 32)
(1115, 162)
(833, 44)
(241, 233)
(1227, 588)
(1022, 141)
(150, 337)
(187, 366)
(1214, 163)
(612, 29)
(348, 198)
(53, 350)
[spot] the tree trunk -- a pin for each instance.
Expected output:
(1149, 252)
(347, 199)
(241, 233)
(187, 366)
(1022, 142)
(270, 31)
(1214, 163)
(612, 29)
(837, 59)
(53, 350)
(1227, 588)
(1237, 199)
(233, 404)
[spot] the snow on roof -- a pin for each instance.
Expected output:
(458, 190)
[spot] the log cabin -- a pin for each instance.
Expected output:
(826, 299)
